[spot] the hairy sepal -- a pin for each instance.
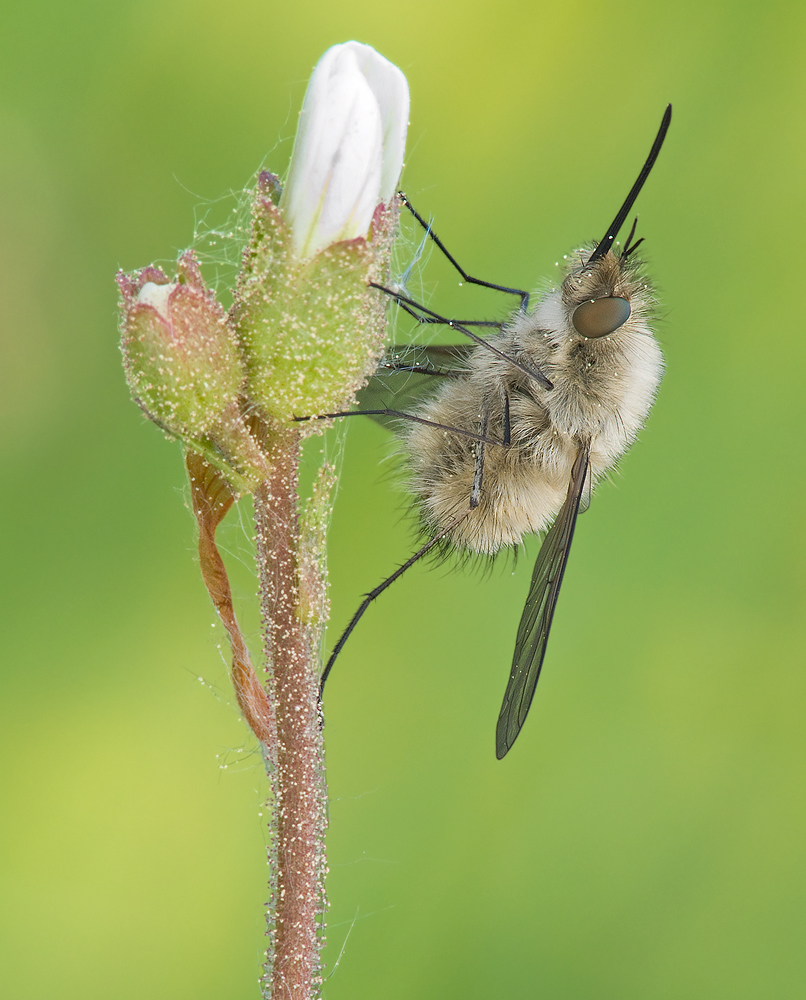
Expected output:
(311, 331)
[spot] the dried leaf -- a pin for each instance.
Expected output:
(212, 497)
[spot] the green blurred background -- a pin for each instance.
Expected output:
(644, 839)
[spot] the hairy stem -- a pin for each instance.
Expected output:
(296, 769)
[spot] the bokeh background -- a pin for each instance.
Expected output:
(645, 837)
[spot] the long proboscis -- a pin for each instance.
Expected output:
(624, 211)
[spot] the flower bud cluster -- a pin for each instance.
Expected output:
(305, 330)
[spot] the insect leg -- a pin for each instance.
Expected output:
(478, 471)
(533, 373)
(524, 296)
(438, 319)
(507, 420)
(386, 412)
(370, 597)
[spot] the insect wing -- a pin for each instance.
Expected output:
(408, 374)
(533, 631)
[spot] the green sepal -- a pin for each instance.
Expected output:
(310, 330)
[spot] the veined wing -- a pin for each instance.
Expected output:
(533, 631)
(408, 375)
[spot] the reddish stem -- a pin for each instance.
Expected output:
(292, 654)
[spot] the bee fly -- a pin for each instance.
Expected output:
(504, 435)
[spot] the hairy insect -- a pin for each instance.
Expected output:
(505, 435)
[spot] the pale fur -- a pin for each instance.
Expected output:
(603, 391)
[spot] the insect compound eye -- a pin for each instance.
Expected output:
(598, 317)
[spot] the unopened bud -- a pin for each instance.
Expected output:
(181, 358)
(311, 327)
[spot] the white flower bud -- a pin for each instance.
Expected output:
(348, 153)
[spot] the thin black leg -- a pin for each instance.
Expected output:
(475, 494)
(496, 324)
(404, 300)
(507, 421)
(385, 412)
(478, 472)
(370, 597)
(524, 296)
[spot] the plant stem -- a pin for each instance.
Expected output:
(296, 768)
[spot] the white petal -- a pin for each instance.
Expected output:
(334, 185)
(391, 91)
(152, 294)
(349, 147)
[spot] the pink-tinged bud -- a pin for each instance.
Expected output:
(181, 358)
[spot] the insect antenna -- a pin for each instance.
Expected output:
(370, 597)
(612, 231)
(630, 247)
(626, 253)
(429, 232)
